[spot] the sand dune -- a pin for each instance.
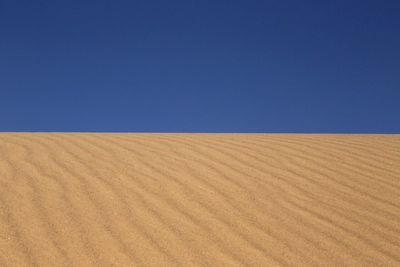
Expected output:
(199, 200)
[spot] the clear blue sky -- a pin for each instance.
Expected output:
(200, 66)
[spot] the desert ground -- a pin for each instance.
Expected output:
(98, 199)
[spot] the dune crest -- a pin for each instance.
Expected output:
(97, 199)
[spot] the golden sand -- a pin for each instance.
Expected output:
(199, 200)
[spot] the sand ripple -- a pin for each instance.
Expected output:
(199, 200)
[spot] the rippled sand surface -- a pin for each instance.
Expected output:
(102, 199)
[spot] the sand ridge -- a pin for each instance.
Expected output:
(109, 199)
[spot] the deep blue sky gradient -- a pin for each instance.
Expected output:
(200, 66)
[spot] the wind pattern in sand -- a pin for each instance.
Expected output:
(96, 199)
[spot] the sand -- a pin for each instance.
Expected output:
(96, 199)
